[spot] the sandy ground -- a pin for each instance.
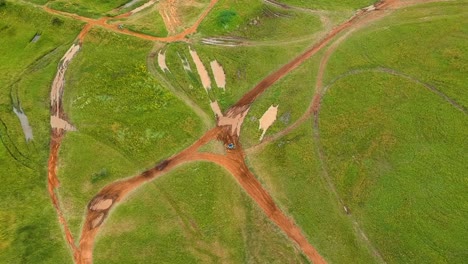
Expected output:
(219, 75)
(202, 72)
(267, 119)
(162, 62)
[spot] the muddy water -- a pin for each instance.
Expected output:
(205, 78)
(219, 75)
(268, 119)
(162, 62)
(27, 130)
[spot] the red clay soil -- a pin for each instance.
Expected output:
(53, 184)
(102, 22)
(57, 134)
(233, 161)
(250, 97)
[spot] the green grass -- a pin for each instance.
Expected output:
(195, 214)
(258, 22)
(410, 42)
(290, 171)
(29, 228)
(329, 5)
(393, 147)
(148, 21)
(126, 120)
(292, 94)
(395, 151)
(244, 67)
(88, 8)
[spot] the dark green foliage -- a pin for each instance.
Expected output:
(98, 176)
(57, 21)
(225, 18)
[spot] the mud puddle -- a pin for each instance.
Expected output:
(27, 129)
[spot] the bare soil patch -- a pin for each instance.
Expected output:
(219, 75)
(268, 119)
(202, 72)
(162, 61)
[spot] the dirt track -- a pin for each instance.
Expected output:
(233, 161)
(102, 22)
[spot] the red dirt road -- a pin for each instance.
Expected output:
(233, 161)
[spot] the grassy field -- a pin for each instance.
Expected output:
(88, 8)
(195, 214)
(410, 42)
(244, 67)
(126, 120)
(290, 170)
(258, 21)
(329, 5)
(29, 230)
(292, 94)
(392, 128)
(148, 21)
(394, 148)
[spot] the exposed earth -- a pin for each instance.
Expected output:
(228, 123)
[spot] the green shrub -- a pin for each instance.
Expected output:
(225, 18)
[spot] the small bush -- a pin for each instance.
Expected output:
(102, 174)
(56, 21)
(225, 18)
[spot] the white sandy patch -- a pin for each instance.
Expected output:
(268, 119)
(138, 9)
(218, 73)
(216, 109)
(102, 204)
(57, 122)
(162, 62)
(205, 78)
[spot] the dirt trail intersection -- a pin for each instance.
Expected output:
(227, 131)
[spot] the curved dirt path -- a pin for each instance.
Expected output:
(59, 125)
